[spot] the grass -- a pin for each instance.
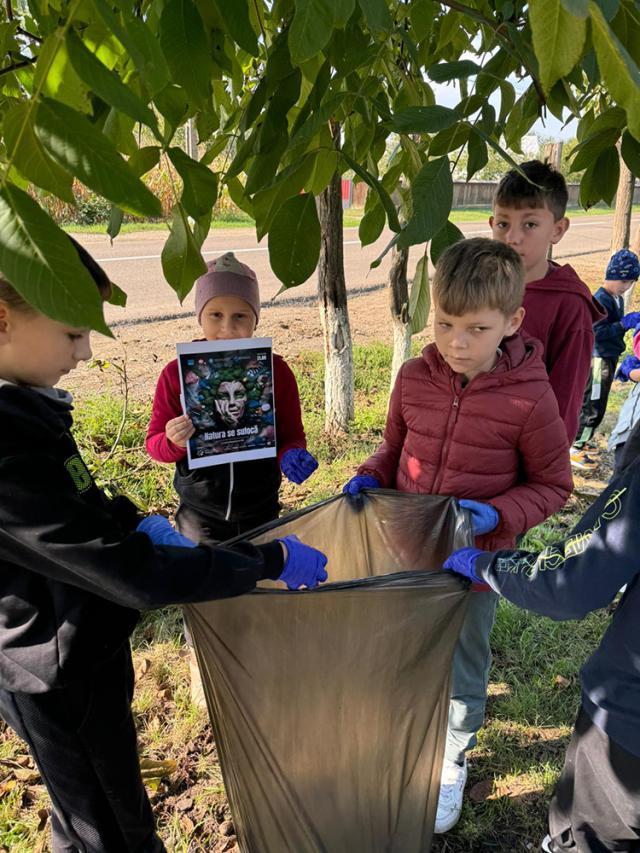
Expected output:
(352, 218)
(534, 678)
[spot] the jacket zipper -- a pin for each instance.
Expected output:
(451, 422)
(228, 515)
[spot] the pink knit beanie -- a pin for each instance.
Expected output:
(226, 276)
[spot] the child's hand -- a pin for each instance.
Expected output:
(298, 464)
(484, 518)
(304, 566)
(179, 430)
(359, 482)
(161, 532)
(463, 562)
(629, 363)
(630, 321)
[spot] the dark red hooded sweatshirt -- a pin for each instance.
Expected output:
(560, 313)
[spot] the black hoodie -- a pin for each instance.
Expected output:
(73, 573)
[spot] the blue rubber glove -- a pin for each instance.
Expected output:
(297, 464)
(484, 518)
(161, 532)
(359, 482)
(629, 363)
(630, 320)
(304, 566)
(463, 562)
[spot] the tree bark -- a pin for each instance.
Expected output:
(624, 202)
(334, 315)
(399, 302)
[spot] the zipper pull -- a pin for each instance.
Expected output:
(456, 402)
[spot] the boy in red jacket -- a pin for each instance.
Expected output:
(529, 215)
(224, 501)
(475, 417)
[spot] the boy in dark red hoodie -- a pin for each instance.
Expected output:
(529, 215)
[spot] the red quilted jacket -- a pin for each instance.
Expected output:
(499, 440)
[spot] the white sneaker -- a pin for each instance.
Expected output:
(545, 844)
(454, 778)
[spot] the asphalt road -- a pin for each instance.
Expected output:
(133, 262)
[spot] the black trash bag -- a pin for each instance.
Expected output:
(329, 707)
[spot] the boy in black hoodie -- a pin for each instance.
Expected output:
(596, 805)
(73, 575)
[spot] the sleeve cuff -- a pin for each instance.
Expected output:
(273, 559)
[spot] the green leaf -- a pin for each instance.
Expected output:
(313, 25)
(140, 43)
(423, 119)
(140, 162)
(106, 84)
(325, 162)
(420, 297)
(432, 195)
(80, 148)
(478, 155)
(184, 43)
(39, 260)
(443, 72)
(116, 217)
(181, 260)
(118, 296)
(268, 201)
(630, 150)
(374, 183)
(619, 72)
(578, 8)
(235, 19)
(55, 76)
(238, 196)
(421, 14)
(173, 105)
(376, 15)
(29, 155)
(200, 185)
(600, 180)
(294, 240)
(558, 39)
(450, 139)
(446, 237)
(372, 225)
(588, 150)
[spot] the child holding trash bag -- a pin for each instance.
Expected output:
(475, 417)
(596, 805)
(223, 501)
(73, 575)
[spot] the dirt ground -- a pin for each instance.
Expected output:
(147, 347)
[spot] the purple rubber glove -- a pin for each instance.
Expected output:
(484, 518)
(297, 464)
(629, 363)
(161, 532)
(463, 562)
(304, 566)
(630, 320)
(359, 482)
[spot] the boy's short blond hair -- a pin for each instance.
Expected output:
(478, 273)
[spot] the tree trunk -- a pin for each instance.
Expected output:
(635, 243)
(399, 302)
(624, 203)
(334, 316)
(191, 139)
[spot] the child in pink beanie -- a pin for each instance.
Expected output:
(223, 501)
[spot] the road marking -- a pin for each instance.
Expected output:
(242, 251)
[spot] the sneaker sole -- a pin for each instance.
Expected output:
(583, 466)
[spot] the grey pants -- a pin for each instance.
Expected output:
(470, 675)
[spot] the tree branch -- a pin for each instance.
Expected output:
(7, 6)
(14, 67)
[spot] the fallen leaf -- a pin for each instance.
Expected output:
(187, 824)
(157, 769)
(561, 682)
(185, 804)
(26, 775)
(481, 791)
(227, 828)
(43, 815)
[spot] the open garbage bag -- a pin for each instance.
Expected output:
(330, 706)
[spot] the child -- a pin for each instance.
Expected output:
(529, 216)
(223, 501)
(475, 417)
(596, 805)
(622, 272)
(620, 438)
(73, 574)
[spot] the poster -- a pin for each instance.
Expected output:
(227, 391)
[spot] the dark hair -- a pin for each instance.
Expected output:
(478, 273)
(540, 186)
(10, 295)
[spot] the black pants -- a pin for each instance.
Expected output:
(83, 741)
(596, 805)
(596, 397)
